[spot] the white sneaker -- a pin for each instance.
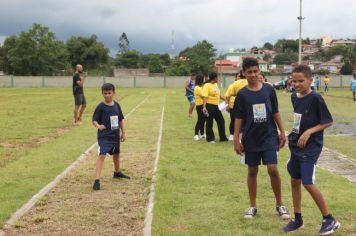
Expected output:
(231, 137)
(212, 142)
(196, 138)
(203, 136)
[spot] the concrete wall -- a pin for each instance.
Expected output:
(130, 82)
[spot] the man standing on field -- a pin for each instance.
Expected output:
(79, 99)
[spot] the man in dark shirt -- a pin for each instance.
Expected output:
(79, 99)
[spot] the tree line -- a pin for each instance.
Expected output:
(39, 52)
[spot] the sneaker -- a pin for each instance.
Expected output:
(283, 212)
(329, 226)
(203, 136)
(196, 138)
(120, 175)
(223, 140)
(231, 137)
(250, 212)
(96, 185)
(293, 225)
(212, 142)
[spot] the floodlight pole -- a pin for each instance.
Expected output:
(300, 18)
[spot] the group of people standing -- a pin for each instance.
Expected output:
(259, 134)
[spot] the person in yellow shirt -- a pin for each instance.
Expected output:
(211, 98)
(326, 83)
(198, 94)
(239, 83)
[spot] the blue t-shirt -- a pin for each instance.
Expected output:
(309, 111)
(191, 86)
(353, 83)
(110, 117)
(256, 109)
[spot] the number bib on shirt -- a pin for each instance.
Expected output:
(296, 122)
(259, 113)
(114, 121)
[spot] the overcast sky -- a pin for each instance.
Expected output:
(149, 23)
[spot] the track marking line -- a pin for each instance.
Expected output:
(149, 213)
(28, 205)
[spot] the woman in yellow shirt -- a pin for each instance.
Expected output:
(211, 98)
(198, 94)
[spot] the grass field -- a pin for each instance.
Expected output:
(200, 187)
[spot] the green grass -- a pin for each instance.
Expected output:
(200, 188)
(38, 113)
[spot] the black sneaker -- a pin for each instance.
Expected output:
(120, 175)
(283, 212)
(250, 212)
(329, 226)
(293, 225)
(96, 185)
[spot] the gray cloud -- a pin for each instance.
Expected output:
(148, 23)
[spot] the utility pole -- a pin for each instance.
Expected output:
(300, 18)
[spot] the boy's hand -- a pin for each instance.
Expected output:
(282, 139)
(303, 139)
(123, 137)
(205, 110)
(101, 127)
(239, 148)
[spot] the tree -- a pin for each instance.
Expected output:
(155, 65)
(285, 58)
(286, 45)
(178, 68)
(268, 46)
(36, 52)
(200, 57)
(124, 43)
(87, 51)
(346, 69)
(129, 59)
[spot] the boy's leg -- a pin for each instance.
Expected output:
(116, 160)
(318, 198)
(296, 195)
(81, 111)
(275, 182)
(252, 184)
(76, 110)
(99, 166)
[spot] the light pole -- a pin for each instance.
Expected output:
(300, 18)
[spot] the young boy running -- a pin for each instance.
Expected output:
(109, 120)
(256, 113)
(311, 117)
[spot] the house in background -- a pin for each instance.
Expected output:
(226, 66)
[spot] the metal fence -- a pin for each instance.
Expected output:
(132, 82)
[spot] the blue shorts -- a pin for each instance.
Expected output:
(304, 170)
(353, 89)
(191, 98)
(254, 158)
(108, 148)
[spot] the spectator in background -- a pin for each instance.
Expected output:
(326, 83)
(79, 78)
(189, 93)
(353, 86)
(317, 82)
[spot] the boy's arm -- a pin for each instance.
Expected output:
(187, 86)
(239, 148)
(303, 139)
(99, 127)
(123, 135)
(282, 134)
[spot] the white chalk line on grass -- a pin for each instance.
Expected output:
(149, 213)
(27, 206)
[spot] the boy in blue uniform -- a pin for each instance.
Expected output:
(256, 114)
(311, 117)
(189, 93)
(108, 119)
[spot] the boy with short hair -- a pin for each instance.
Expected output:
(109, 121)
(311, 117)
(256, 114)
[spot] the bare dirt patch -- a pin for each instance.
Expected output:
(72, 208)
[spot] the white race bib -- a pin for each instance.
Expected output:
(114, 121)
(296, 122)
(259, 113)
